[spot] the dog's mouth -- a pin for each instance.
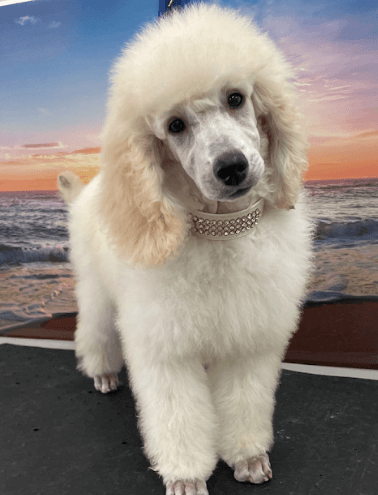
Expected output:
(240, 192)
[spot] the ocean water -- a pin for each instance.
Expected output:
(346, 241)
(36, 279)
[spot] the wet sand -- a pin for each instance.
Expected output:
(350, 271)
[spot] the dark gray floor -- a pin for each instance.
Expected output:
(60, 437)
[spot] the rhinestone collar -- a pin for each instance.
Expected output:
(225, 226)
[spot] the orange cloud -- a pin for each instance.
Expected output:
(46, 145)
(88, 151)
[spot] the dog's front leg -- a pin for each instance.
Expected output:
(243, 391)
(176, 418)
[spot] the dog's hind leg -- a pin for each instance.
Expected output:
(97, 345)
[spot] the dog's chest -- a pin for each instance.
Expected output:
(219, 297)
(222, 297)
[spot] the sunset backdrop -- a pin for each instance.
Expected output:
(55, 58)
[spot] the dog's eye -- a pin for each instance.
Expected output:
(176, 126)
(235, 100)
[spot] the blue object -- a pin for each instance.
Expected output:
(163, 5)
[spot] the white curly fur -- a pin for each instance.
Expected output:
(168, 302)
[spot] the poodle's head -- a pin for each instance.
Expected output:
(205, 90)
(215, 140)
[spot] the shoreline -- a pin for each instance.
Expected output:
(340, 332)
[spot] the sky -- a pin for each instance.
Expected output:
(55, 57)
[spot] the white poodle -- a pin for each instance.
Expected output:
(191, 260)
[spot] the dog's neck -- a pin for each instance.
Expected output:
(215, 220)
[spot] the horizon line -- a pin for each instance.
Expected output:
(306, 181)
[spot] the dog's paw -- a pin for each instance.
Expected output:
(186, 488)
(106, 383)
(255, 470)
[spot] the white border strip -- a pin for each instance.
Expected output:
(45, 343)
(299, 368)
(332, 371)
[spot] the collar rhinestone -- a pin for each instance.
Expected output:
(225, 226)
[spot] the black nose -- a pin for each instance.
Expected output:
(231, 168)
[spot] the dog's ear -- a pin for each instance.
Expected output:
(145, 225)
(287, 139)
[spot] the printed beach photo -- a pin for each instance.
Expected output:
(218, 369)
(55, 61)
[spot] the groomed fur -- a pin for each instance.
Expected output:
(201, 325)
